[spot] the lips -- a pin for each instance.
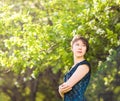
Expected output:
(79, 51)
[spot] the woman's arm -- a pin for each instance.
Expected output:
(80, 72)
(63, 88)
(61, 93)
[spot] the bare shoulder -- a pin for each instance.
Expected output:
(83, 67)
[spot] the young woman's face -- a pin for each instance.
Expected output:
(79, 48)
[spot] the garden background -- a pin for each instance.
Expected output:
(35, 48)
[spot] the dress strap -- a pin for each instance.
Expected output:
(81, 63)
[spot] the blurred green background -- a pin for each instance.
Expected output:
(35, 48)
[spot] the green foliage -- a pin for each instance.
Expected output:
(35, 40)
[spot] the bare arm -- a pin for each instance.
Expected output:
(80, 72)
(63, 88)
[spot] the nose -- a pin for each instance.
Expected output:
(80, 47)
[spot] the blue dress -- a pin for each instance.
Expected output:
(78, 90)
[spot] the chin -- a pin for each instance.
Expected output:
(79, 56)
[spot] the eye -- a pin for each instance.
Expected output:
(77, 44)
(83, 45)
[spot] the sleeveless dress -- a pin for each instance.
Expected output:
(78, 90)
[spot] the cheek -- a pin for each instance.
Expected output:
(73, 49)
(85, 49)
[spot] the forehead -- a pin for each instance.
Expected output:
(80, 41)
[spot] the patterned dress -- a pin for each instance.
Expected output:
(78, 90)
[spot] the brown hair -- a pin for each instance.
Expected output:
(84, 40)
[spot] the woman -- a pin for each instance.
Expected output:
(77, 79)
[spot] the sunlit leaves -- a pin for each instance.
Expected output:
(36, 34)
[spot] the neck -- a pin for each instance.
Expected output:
(78, 59)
